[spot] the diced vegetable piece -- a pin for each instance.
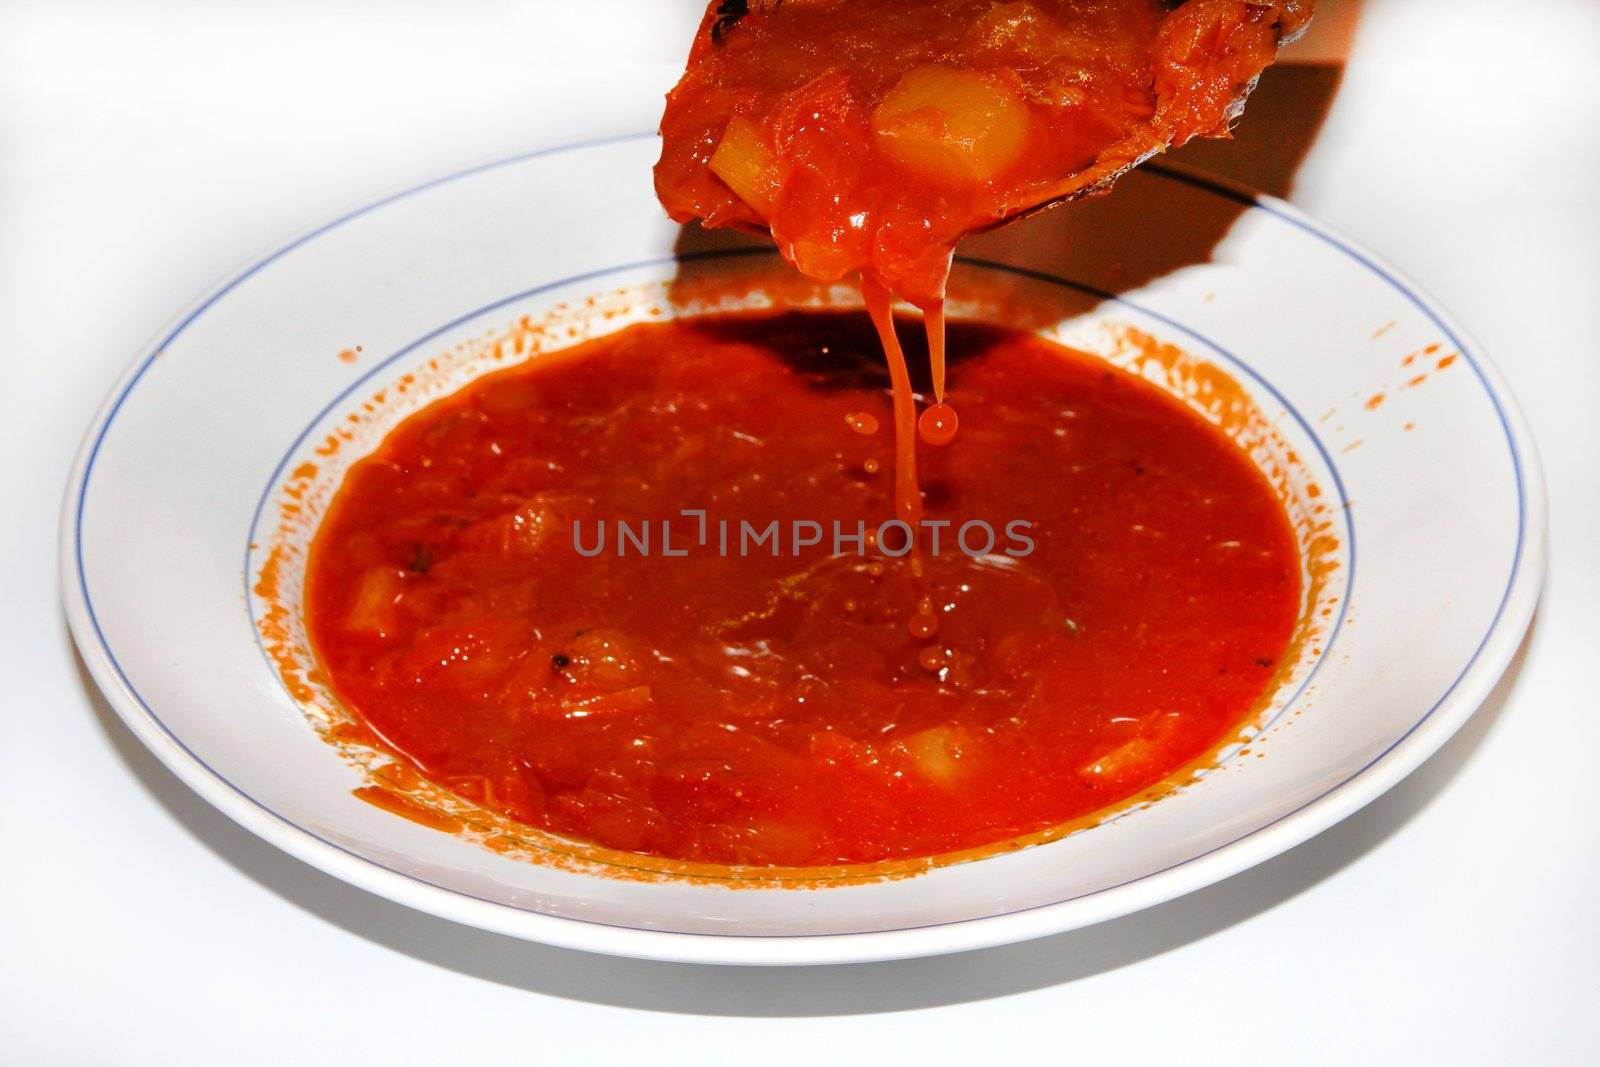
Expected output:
(1138, 757)
(957, 126)
(746, 165)
(937, 753)
(819, 259)
(517, 795)
(373, 610)
(1127, 759)
(514, 534)
(786, 842)
(465, 655)
(600, 660)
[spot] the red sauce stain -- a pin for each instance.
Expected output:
(1445, 361)
(350, 355)
(276, 628)
(1414, 382)
(1414, 356)
(1385, 328)
(1374, 402)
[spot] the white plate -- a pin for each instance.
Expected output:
(1434, 495)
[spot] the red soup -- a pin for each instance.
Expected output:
(642, 594)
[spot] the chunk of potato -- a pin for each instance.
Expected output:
(937, 753)
(464, 654)
(957, 126)
(1128, 759)
(1137, 757)
(515, 534)
(746, 165)
(373, 611)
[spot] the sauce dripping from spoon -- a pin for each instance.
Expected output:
(923, 624)
(938, 423)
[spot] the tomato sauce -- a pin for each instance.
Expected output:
(781, 705)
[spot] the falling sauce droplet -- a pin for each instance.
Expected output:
(862, 422)
(937, 426)
(923, 625)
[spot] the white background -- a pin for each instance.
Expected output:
(148, 148)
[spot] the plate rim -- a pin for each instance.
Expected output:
(1460, 700)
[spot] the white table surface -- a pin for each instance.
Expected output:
(147, 148)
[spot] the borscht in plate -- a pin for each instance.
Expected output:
(649, 593)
